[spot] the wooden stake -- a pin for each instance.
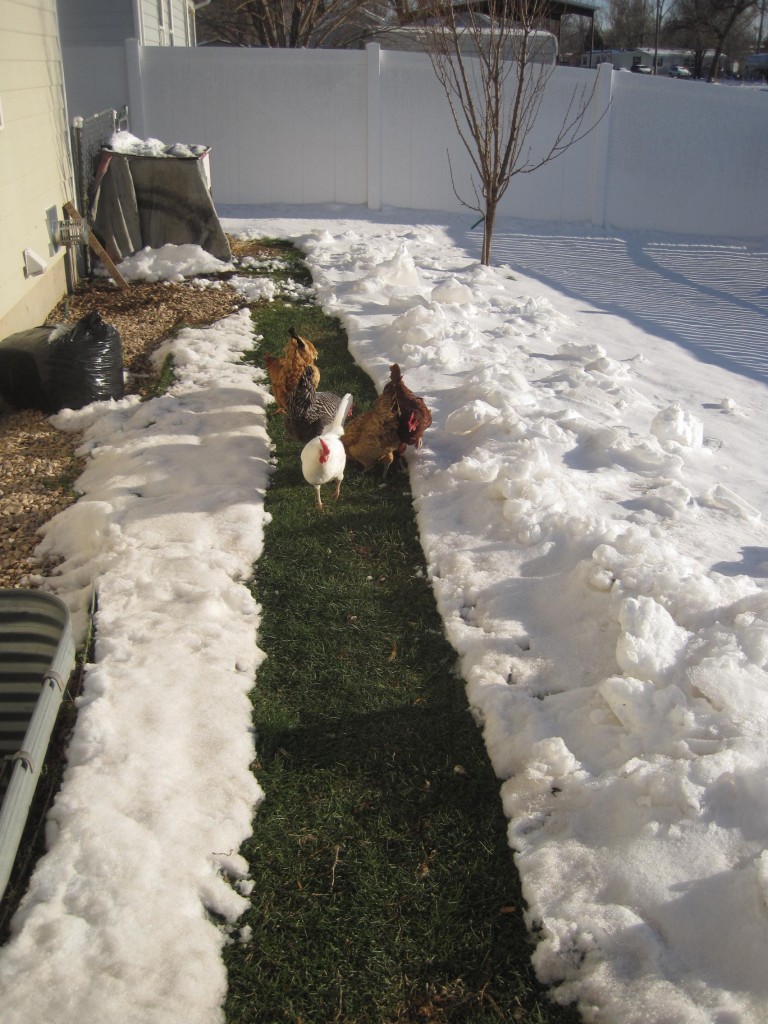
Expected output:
(97, 247)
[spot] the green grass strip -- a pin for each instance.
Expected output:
(385, 889)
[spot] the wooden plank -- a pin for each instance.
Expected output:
(97, 247)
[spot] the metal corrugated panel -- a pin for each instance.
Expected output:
(37, 655)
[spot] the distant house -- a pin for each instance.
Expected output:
(35, 169)
(91, 32)
(556, 10)
(643, 55)
(542, 45)
(618, 58)
(646, 55)
(666, 59)
(756, 66)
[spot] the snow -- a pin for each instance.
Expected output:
(589, 499)
(128, 144)
(172, 263)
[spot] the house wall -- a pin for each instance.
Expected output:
(95, 22)
(617, 58)
(313, 126)
(109, 22)
(165, 23)
(184, 23)
(95, 80)
(667, 59)
(35, 176)
(93, 34)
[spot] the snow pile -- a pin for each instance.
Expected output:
(158, 795)
(572, 499)
(171, 263)
(589, 500)
(129, 145)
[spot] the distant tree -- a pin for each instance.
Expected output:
(708, 25)
(630, 23)
(488, 60)
(579, 35)
(685, 29)
(597, 36)
(289, 23)
(660, 13)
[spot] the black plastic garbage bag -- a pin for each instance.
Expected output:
(50, 369)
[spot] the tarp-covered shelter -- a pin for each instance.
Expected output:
(141, 200)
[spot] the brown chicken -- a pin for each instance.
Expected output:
(284, 373)
(414, 416)
(372, 437)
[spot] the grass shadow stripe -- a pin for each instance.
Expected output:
(385, 890)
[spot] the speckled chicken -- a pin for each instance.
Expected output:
(308, 411)
(323, 458)
(284, 373)
(372, 437)
(414, 416)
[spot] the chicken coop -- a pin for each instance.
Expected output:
(37, 656)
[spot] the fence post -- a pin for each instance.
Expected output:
(373, 51)
(600, 146)
(137, 111)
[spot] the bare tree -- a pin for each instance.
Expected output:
(662, 7)
(491, 63)
(629, 21)
(710, 24)
(288, 23)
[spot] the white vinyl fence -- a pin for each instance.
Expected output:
(374, 128)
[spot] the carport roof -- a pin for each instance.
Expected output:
(561, 7)
(555, 9)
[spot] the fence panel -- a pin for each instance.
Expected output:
(284, 126)
(330, 126)
(423, 157)
(688, 157)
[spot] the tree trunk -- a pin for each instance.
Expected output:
(715, 66)
(488, 225)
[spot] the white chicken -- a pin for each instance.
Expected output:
(324, 459)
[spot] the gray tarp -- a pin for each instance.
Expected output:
(142, 201)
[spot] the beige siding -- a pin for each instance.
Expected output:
(181, 27)
(35, 169)
(154, 14)
(165, 23)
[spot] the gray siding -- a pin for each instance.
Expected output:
(111, 22)
(95, 22)
(93, 35)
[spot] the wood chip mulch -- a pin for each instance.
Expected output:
(39, 465)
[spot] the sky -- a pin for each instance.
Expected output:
(590, 502)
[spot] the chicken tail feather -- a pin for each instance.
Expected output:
(337, 426)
